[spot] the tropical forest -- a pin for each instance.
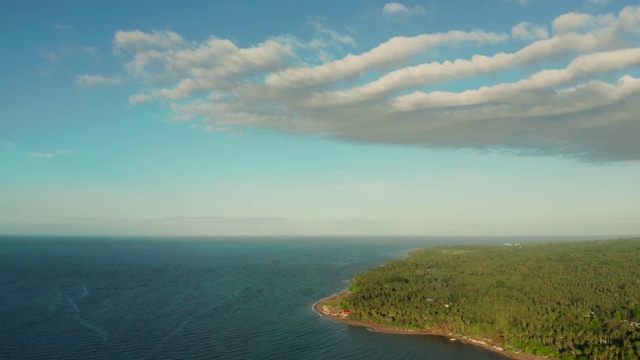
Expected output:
(564, 300)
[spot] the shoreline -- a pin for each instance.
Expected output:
(319, 308)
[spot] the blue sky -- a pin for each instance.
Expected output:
(500, 117)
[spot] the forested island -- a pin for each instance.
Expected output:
(566, 300)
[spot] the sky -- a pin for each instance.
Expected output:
(218, 118)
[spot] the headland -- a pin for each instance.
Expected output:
(326, 308)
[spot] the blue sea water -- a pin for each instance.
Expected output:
(185, 298)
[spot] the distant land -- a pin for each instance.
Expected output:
(563, 300)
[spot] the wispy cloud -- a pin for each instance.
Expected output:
(40, 155)
(325, 43)
(219, 129)
(164, 56)
(385, 55)
(226, 221)
(214, 221)
(529, 31)
(63, 27)
(97, 80)
(577, 95)
(50, 155)
(394, 9)
(580, 69)
(56, 53)
(326, 37)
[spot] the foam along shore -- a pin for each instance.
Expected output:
(326, 308)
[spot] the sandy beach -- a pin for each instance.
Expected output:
(335, 315)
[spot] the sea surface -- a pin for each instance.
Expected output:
(198, 298)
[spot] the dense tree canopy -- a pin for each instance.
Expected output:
(569, 300)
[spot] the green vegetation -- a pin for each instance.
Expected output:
(568, 300)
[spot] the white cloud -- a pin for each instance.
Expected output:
(571, 22)
(96, 80)
(140, 98)
(138, 41)
(165, 57)
(528, 31)
(324, 45)
(218, 129)
(582, 67)
(630, 19)
(392, 52)
(39, 155)
(576, 94)
(63, 27)
(437, 73)
(394, 9)
(50, 155)
(334, 37)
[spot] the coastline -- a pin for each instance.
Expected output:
(319, 307)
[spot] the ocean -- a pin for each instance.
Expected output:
(198, 298)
